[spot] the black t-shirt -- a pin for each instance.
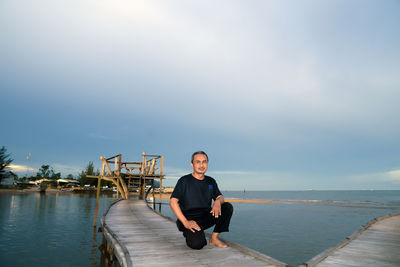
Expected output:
(195, 195)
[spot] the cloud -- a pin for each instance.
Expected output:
(20, 168)
(232, 172)
(66, 169)
(259, 180)
(242, 179)
(251, 66)
(175, 173)
(228, 179)
(392, 177)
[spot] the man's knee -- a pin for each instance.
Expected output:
(227, 207)
(196, 240)
(196, 243)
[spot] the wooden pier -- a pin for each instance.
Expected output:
(135, 235)
(376, 244)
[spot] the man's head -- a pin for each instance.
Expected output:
(199, 153)
(199, 162)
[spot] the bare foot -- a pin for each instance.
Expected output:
(218, 243)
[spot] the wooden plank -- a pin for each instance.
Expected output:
(141, 237)
(106, 164)
(113, 157)
(376, 244)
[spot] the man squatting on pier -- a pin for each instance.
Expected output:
(191, 203)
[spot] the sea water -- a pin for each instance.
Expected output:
(50, 229)
(56, 229)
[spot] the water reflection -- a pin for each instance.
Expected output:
(94, 250)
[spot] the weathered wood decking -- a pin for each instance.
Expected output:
(376, 244)
(141, 237)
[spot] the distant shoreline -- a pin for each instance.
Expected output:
(48, 190)
(164, 196)
(232, 200)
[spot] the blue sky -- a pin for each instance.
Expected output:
(282, 95)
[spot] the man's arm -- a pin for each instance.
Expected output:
(191, 225)
(216, 209)
(221, 199)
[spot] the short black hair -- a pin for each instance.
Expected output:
(199, 152)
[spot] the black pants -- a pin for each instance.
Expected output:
(197, 239)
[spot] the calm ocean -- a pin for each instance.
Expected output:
(55, 229)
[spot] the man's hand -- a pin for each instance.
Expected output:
(192, 226)
(216, 209)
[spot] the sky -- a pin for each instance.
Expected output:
(282, 95)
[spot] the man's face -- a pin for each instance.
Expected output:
(200, 164)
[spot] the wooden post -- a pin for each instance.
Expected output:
(154, 196)
(116, 169)
(161, 189)
(144, 163)
(161, 178)
(120, 163)
(152, 167)
(98, 194)
(97, 201)
(106, 165)
(124, 190)
(118, 189)
(162, 165)
(102, 167)
(142, 174)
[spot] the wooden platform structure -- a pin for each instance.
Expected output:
(132, 173)
(376, 244)
(135, 235)
(129, 175)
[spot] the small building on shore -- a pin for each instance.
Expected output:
(67, 182)
(38, 182)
